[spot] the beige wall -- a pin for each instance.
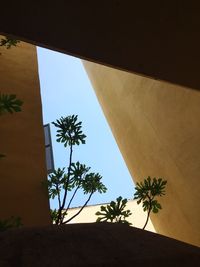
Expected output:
(22, 140)
(157, 129)
(137, 218)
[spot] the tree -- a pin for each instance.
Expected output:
(76, 176)
(146, 192)
(114, 212)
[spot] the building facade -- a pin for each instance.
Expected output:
(156, 126)
(137, 218)
(23, 169)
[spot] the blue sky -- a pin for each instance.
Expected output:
(66, 90)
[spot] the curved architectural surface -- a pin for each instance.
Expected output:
(156, 39)
(93, 244)
(22, 140)
(157, 128)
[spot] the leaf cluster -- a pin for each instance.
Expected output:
(12, 222)
(56, 182)
(114, 212)
(54, 214)
(69, 131)
(79, 177)
(92, 183)
(8, 42)
(76, 177)
(9, 103)
(146, 192)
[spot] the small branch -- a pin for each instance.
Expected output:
(68, 175)
(79, 210)
(59, 200)
(72, 198)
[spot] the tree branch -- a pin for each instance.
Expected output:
(79, 210)
(59, 219)
(72, 198)
(59, 200)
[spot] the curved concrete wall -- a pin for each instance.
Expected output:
(157, 128)
(22, 140)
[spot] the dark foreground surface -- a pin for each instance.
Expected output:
(92, 245)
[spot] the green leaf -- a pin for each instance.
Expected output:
(114, 212)
(69, 131)
(8, 42)
(92, 183)
(9, 103)
(155, 210)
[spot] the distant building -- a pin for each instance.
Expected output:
(137, 218)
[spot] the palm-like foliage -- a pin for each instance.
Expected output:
(9, 103)
(74, 178)
(8, 42)
(69, 131)
(92, 183)
(114, 212)
(146, 192)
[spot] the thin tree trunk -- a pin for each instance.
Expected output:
(148, 214)
(59, 219)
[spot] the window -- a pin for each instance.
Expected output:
(48, 149)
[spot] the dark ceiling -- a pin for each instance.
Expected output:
(159, 39)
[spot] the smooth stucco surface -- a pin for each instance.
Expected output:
(157, 129)
(22, 140)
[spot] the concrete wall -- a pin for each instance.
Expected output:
(154, 38)
(156, 126)
(137, 218)
(22, 140)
